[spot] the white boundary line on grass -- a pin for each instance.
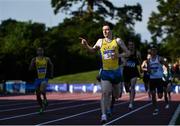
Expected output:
(175, 116)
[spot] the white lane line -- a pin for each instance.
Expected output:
(5, 102)
(18, 104)
(35, 106)
(8, 104)
(129, 113)
(50, 104)
(82, 113)
(50, 110)
(175, 116)
(142, 107)
(36, 103)
(67, 117)
(38, 106)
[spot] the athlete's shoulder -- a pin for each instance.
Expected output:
(98, 43)
(138, 54)
(160, 57)
(47, 58)
(119, 41)
(100, 40)
(161, 60)
(34, 59)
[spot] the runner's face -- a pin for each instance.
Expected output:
(131, 45)
(148, 56)
(153, 52)
(106, 31)
(40, 52)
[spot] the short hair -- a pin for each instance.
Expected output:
(153, 46)
(108, 24)
(149, 51)
(40, 49)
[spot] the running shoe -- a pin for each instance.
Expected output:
(103, 119)
(45, 104)
(167, 106)
(156, 112)
(112, 104)
(130, 106)
(109, 113)
(112, 108)
(41, 110)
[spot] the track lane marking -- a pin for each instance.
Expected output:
(34, 106)
(175, 116)
(85, 112)
(129, 113)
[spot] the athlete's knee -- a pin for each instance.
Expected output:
(132, 89)
(106, 94)
(133, 83)
(153, 94)
(43, 93)
(38, 92)
(38, 95)
(120, 94)
(116, 96)
(160, 95)
(127, 88)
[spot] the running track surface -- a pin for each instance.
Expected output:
(82, 109)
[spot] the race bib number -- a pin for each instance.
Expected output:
(109, 54)
(42, 70)
(131, 64)
(153, 70)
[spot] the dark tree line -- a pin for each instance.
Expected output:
(19, 40)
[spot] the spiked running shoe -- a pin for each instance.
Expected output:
(155, 112)
(109, 113)
(45, 104)
(103, 119)
(130, 106)
(41, 110)
(167, 106)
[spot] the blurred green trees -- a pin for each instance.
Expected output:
(19, 40)
(165, 27)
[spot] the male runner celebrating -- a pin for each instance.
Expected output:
(110, 74)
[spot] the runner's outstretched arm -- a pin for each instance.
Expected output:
(32, 64)
(86, 45)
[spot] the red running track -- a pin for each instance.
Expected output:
(82, 109)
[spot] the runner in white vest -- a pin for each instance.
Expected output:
(156, 73)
